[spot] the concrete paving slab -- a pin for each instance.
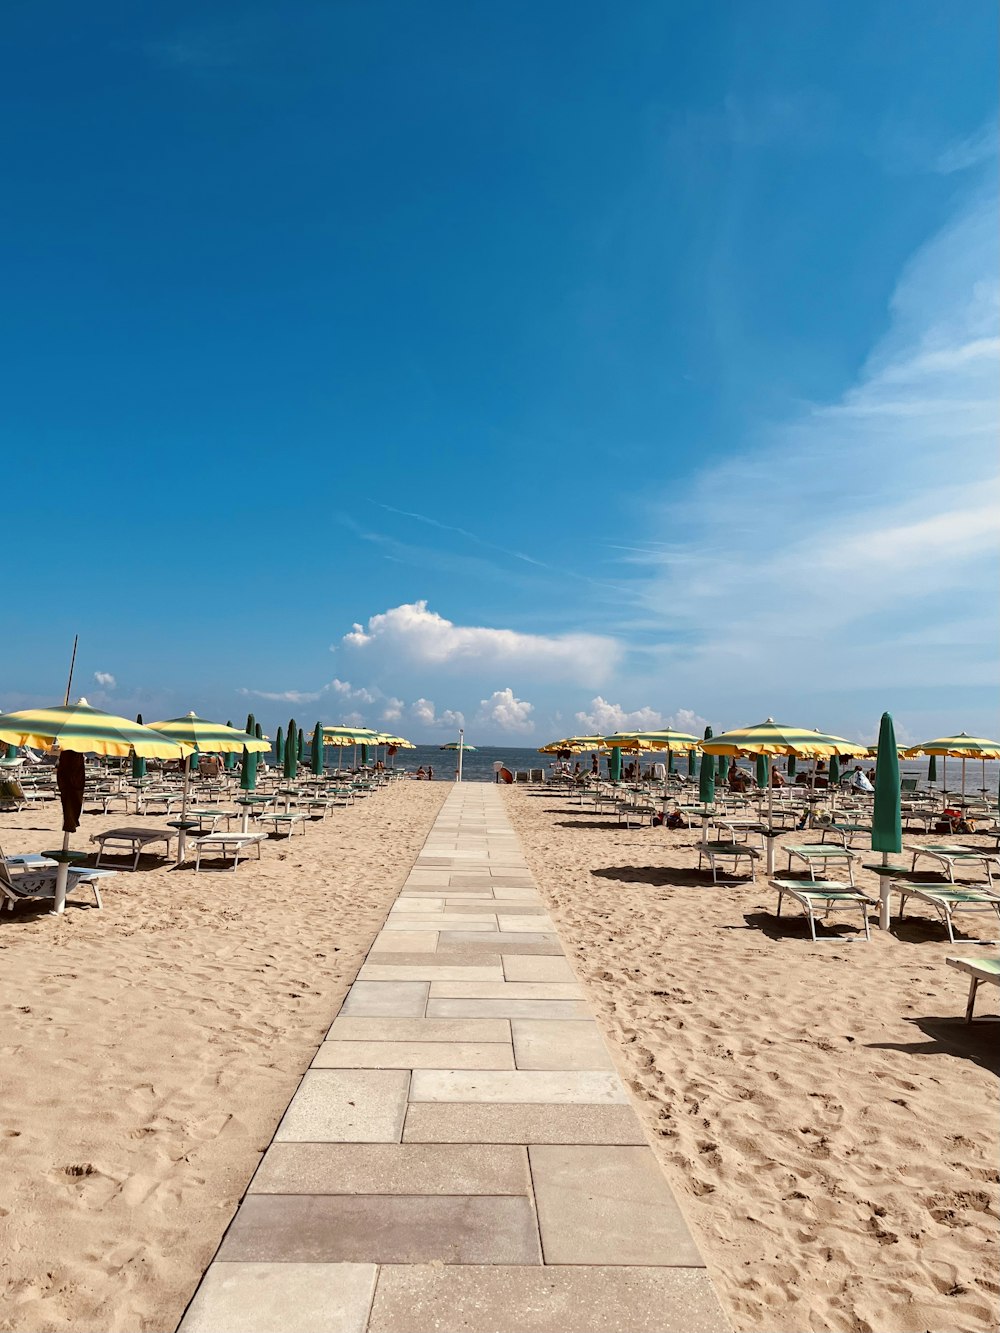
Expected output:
(528, 922)
(413, 1055)
(430, 972)
(409, 941)
(257, 1298)
(482, 989)
(551, 1009)
(480, 921)
(398, 999)
(524, 967)
(606, 1205)
(392, 1168)
(346, 1106)
(596, 1087)
(386, 1229)
(422, 1298)
(458, 954)
(441, 1122)
(419, 1029)
(540, 1044)
(504, 941)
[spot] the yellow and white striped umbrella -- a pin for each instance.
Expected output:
(88, 731)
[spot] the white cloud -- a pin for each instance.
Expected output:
(604, 717)
(393, 710)
(970, 151)
(106, 679)
(341, 689)
(413, 634)
(423, 712)
(506, 712)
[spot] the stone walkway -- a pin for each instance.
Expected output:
(462, 1154)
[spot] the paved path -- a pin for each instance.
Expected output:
(462, 1154)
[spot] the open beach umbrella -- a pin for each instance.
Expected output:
(317, 749)
(291, 750)
(774, 738)
(961, 747)
(279, 747)
(454, 745)
(138, 760)
(77, 729)
(205, 738)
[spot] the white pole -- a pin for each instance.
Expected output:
(461, 747)
(62, 878)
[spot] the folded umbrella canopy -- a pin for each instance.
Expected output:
(78, 729)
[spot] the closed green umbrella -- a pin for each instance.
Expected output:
(887, 821)
(138, 762)
(932, 769)
(317, 749)
(834, 770)
(364, 756)
(11, 752)
(722, 767)
(706, 780)
(279, 747)
(291, 750)
(229, 759)
(671, 763)
(692, 763)
(763, 777)
(615, 764)
(791, 766)
(248, 778)
(302, 745)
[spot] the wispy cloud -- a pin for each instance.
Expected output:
(863, 523)
(972, 151)
(105, 679)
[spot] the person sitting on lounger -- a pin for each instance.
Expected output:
(420, 772)
(777, 780)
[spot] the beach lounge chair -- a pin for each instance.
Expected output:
(30, 885)
(811, 853)
(136, 839)
(830, 895)
(226, 844)
(947, 900)
(979, 970)
(714, 852)
(845, 832)
(288, 820)
(950, 854)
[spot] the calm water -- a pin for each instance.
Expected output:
(477, 766)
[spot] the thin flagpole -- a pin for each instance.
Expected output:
(72, 664)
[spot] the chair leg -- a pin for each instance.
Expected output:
(970, 1006)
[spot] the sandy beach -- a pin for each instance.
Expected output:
(150, 1049)
(823, 1114)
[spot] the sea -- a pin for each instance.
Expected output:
(477, 765)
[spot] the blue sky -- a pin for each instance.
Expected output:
(547, 366)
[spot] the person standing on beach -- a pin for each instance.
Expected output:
(430, 773)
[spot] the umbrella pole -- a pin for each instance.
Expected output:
(963, 783)
(62, 878)
(182, 832)
(770, 822)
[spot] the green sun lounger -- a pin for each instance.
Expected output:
(830, 895)
(979, 970)
(947, 900)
